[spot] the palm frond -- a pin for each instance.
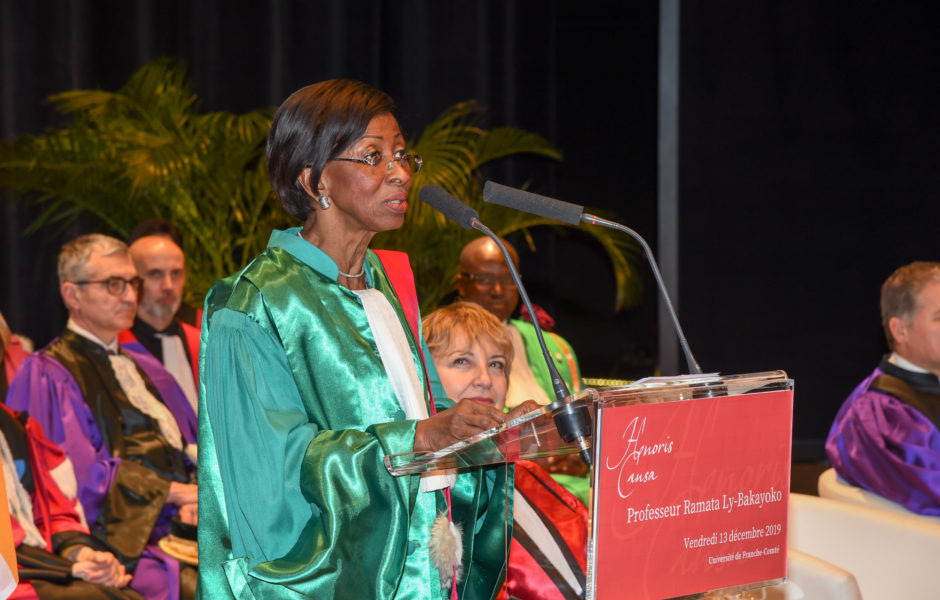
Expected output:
(507, 141)
(144, 151)
(454, 148)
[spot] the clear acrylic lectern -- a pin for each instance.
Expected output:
(696, 502)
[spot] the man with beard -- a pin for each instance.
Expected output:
(130, 436)
(157, 250)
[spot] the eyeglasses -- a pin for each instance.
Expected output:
(409, 162)
(488, 281)
(116, 285)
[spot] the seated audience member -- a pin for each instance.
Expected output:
(473, 354)
(157, 251)
(885, 437)
(485, 279)
(186, 313)
(13, 353)
(131, 438)
(56, 557)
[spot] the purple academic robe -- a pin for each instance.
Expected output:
(51, 395)
(886, 446)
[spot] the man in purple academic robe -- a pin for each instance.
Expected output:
(885, 437)
(120, 416)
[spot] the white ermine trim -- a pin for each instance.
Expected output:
(446, 546)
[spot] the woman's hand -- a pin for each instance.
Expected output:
(523, 409)
(464, 419)
(98, 567)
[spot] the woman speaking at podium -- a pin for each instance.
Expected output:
(312, 371)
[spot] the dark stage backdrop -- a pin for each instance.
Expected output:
(809, 173)
(805, 176)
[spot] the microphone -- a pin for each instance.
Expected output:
(573, 214)
(532, 203)
(444, 202)
(572, 422)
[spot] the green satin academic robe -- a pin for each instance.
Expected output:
(295, 416)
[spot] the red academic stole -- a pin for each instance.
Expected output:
(190, 338)
(14, 357)
(400, 275)
(402, 279)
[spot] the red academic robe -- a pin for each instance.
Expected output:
(53, 512)
(531, 575)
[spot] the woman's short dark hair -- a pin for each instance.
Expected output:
(314, 125)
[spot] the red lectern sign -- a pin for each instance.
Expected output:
(692, 495)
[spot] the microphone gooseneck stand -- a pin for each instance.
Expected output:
(572, 420)
(573, 214)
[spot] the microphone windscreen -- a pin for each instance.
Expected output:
(543, 206)
(445, 203)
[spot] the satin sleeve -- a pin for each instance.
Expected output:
(310, 511)
(889, 448)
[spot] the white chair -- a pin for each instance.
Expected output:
(891, 555)
(832, 486)
(811, 578)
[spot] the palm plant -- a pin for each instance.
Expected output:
(144, 151)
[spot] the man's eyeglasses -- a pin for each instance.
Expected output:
(488, 281)
(116, 285)
(409, 162)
